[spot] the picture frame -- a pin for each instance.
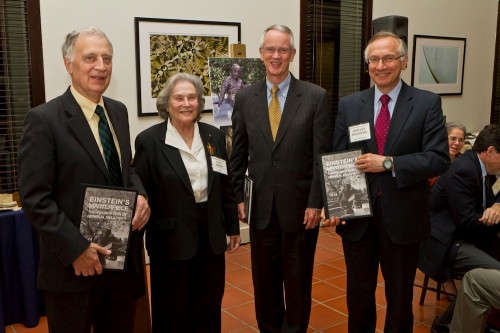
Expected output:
(438, 64)
(345, 189)
(165, 47)
(106, 215)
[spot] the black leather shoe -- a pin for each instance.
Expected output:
(438, 327)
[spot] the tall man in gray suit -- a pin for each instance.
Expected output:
(278, 137)
(61, 149)
(397, 161)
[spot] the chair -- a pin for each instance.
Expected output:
(438, 289)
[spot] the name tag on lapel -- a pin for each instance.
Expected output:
(219, 165)
(360, 132)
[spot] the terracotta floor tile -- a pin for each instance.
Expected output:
(234, 296)
(240, 257)
(324, 271)
(323, 292)
(230, 323)
(323, 254)
(244, 312)
(339, 328)
(323, 317)
(339, 281)
(239, 276)
(339, 304)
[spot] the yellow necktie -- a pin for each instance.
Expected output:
(274, 111)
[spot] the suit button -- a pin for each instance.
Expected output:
(275, 164)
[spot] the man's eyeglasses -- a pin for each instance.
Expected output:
(272, 50)
(385, 60)
(455, 139)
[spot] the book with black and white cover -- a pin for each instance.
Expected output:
(345, 188)
(106, 220)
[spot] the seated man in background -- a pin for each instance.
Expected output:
(479, 293)
(464, 220)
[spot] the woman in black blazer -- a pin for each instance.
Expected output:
(183, 165)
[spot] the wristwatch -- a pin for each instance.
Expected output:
(387, 164)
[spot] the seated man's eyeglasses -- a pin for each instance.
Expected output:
(272, 50)
(385, 60)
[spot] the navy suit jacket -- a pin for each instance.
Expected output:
(58, 153)
(285, 171)
(418, 142)
(172, 231)
(455, 207)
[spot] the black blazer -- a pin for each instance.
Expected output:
(286, 170)
(455, 207)
(418, 142)
(58, 153)
(172, 232)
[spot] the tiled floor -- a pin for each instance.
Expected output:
(329, 310)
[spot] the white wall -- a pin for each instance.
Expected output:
(116, 18)
(474, 20)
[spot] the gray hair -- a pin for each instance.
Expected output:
(281, 28)
(68, 46)
(402, 49)
(166, 92)
(460, 126)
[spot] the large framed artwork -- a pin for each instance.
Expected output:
(165, 47)
(438, 64)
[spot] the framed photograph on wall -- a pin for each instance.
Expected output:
(165, 47)
(438, 64)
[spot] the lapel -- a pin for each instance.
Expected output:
(173, 157)
(402, 111)
(292, 105)
(206, 137)
(80, 127)
(261, 112)
(367, 115)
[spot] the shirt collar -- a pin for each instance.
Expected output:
(393, 94)
(88, 107)
(283, 85)
(174, 138)
(483, 168)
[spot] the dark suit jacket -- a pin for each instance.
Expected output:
(58, 153)
(456, 205)
(417, 141)
(285, 171)
(172, 230)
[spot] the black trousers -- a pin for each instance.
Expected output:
(398, 264)
(282, 263)
(108, 307)
(186, 295)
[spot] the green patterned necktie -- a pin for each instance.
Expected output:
(109, 148)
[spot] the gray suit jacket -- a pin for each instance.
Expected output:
(418, 142)
(57, 154)
(286, 170)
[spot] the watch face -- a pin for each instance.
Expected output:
(387, 164)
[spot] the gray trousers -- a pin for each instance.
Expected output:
(479, 291)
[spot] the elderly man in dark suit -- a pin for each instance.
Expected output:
(280, 127)
(404, 141)
(61, 149)
(464, 217)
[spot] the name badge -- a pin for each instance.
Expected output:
(219, 165)
(359, 132)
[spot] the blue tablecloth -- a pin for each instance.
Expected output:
(20, 300)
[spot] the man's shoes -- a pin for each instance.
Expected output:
(438, 327)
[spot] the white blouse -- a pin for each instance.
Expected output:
(194, 160)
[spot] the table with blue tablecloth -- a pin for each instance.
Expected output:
(20, 300)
